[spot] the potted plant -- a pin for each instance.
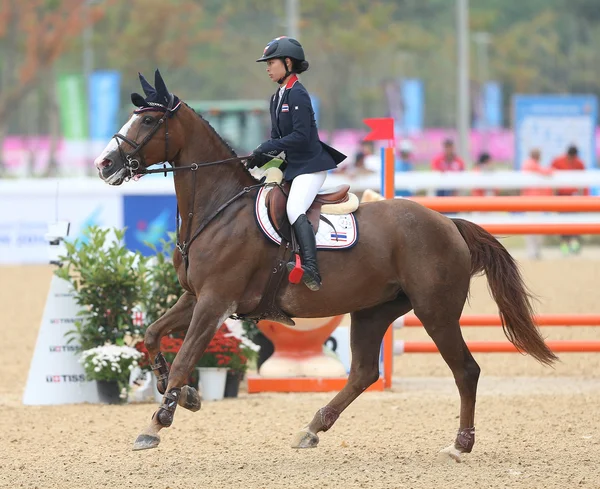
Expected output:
(109, 282)
(212, 366)
(109, 366)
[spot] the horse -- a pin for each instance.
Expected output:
(408, 257)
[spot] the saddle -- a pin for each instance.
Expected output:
(337, 200)
(334, 201)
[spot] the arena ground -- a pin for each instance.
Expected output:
(536, 427)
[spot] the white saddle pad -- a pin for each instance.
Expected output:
(343, 234)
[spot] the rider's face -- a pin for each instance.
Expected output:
(275, 69)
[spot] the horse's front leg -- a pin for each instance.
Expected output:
(178, 318)
(209, 314)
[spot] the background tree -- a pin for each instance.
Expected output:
(33, 35)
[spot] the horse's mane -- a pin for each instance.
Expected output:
(225, 143)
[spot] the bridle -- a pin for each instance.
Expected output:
(135, 163)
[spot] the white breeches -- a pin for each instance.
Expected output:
(303, 192)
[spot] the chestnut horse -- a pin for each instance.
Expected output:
(408, 258)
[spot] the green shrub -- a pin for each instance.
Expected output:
(109, 282)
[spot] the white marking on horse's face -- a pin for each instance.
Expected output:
(113, 145)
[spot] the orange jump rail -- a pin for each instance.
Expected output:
(542, 228)
(494, 320)
(511, 204)
(498, 347)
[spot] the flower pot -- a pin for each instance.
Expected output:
(109, 392)
(232, 384)
(212, 383)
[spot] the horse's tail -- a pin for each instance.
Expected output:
(508, 290)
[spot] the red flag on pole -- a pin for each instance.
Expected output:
(381, 128)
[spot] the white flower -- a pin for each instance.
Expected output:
(250, 344)
(236, 329)
(103, 356)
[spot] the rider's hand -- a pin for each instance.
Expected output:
(260, 158)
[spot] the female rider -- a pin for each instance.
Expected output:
(294, 133)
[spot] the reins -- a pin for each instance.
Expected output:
(136, 168)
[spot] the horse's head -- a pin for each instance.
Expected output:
(151, 135)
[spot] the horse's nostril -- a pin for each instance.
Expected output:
(104, 164)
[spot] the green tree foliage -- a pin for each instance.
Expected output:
(207, 48)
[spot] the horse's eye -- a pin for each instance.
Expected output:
(147, 120)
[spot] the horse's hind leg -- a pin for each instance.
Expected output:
(366, 333)
(176, 319)
(441, 321)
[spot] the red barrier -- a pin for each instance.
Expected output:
(497, 347)
(494, 320)
(511, 204)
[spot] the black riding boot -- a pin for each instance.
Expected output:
(308, 252)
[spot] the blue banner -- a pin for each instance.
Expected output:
(148, 218)
(551, 123)
(492, 97)
(104, 91)
(413, 105)
(316, 105)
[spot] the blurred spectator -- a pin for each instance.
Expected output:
(362, 163)
(483, 165)
(533, 165)
(366, 161)
(404, 163)
(570, 161)
(533, 242)
(447, 161)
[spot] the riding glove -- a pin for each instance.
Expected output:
(260, 158)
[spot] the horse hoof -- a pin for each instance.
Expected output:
(144, 442)
(451, 452)
(189, 399)
(305, 439)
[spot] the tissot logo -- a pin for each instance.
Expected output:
(30, 239)
(56, 379)
(63, 321)
(64, 294)
(64, 348)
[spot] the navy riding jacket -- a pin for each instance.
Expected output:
(294, 130)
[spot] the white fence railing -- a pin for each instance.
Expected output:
(412, 181)
(28, 205)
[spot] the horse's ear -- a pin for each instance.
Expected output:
(148, 89)
(138, 100)
(161, 88)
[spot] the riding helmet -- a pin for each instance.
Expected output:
(282, 47)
